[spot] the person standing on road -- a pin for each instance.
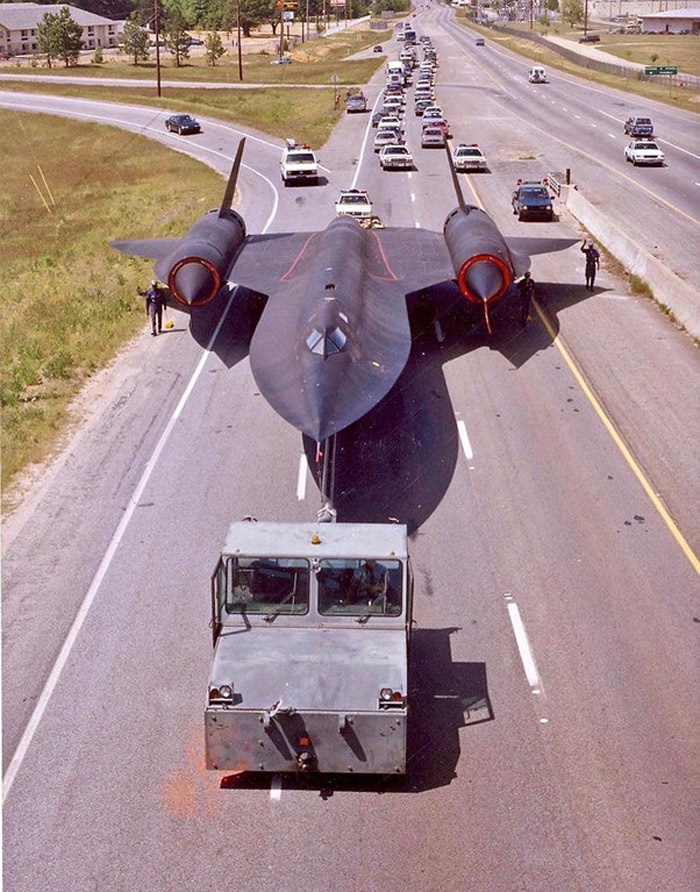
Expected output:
(592, 263)
(526, 292)
(155, 302)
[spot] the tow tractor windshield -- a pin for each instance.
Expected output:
(270, 586)
(360, 588)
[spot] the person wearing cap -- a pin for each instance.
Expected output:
(592, 263)
(155, 302)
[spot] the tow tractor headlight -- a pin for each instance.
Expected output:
(390, 699)
(221, 694)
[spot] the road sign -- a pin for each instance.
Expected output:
(660, 69)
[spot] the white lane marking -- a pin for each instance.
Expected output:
(464, 439)
(276, 788)
(612, 135)
(528, 660)
(99, 576)
(439, 333)
(301, 478)
(593, 125)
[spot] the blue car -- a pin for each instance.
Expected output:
(531, 200)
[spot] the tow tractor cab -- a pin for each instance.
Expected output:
(311, 628)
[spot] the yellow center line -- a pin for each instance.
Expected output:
(619, 442)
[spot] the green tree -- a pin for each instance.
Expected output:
(213, 47)
(58, 36)
(552, 5)
(175, 36)
(134, 40)
(572, 11)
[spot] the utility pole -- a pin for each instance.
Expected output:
(156, 24)
(238, 40)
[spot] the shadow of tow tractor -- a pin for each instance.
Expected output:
(445, 697)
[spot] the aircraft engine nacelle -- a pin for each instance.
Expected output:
(482, 263)
(198, 267)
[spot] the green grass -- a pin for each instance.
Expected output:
(70, 301)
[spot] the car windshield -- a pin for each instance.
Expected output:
(301, 157)
(354, 199)
(533, 192)
(646, 145)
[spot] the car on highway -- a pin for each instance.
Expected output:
(393, 122)
(644, 151)
(420, 106)
(356, 102)
(298, 164)
(432, 138)
(468, 157)
(378, 48)
(393, 105)
(353, 203)
(437, 122)
(480, 41)
(182, 124)
(639, 126)
(395, 157)
(532, 201)
(589, 38)
(385, 136)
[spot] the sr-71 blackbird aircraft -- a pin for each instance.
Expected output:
(334, 335)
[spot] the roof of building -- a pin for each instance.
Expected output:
(673, 14)
(26, 16)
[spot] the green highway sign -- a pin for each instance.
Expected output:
(660, 69)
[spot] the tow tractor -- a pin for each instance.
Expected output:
(311, 626)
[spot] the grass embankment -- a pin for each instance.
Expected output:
(69, 300)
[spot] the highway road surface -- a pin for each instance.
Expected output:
(549, 479)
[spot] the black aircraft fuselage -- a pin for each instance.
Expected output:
(334, 335)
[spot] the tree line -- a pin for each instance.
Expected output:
(59, 37)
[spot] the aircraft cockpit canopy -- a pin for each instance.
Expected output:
(328, 335)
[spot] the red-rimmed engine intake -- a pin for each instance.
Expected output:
(198, 267)
(481, 259)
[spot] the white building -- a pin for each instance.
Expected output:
(674, 21)
(19, 21)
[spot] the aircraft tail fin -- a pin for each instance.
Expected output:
(455, 181)
(233, 177)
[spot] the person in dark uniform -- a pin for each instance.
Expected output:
(592, 263)
(526, 292)
(155, 302)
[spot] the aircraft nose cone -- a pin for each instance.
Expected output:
(193, 282)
